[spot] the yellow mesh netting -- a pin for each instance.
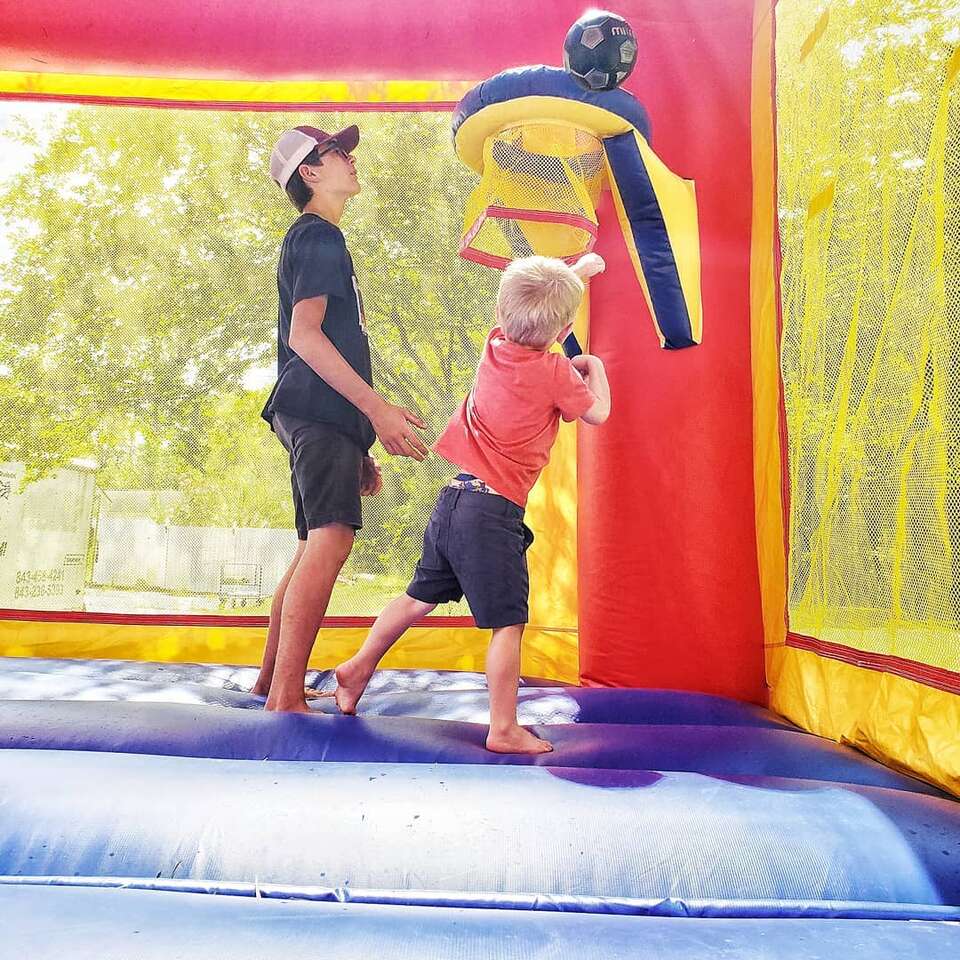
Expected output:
(869, 195)
(138, 252)
(538, 193)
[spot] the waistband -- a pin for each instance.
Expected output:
(466, 481)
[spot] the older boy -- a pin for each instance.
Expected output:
(476, 541)
(323, 409)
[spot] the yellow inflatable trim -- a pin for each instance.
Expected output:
(551, 653)
(213, 92)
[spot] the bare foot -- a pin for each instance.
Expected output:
(292, 705)
(517, 740)
(352, 680)
(260, 689)
(311, 693)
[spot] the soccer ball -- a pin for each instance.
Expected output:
(600, 50)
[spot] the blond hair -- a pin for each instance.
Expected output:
(538, 297)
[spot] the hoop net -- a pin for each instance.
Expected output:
(537, 195)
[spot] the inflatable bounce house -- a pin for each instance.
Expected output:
(744, 639)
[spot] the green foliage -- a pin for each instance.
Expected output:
(138, 306)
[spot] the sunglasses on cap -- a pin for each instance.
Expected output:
(333, 148)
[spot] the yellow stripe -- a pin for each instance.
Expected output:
(552, 560)
(821, 200)
(904, 724)
(815, 35)
(231, 91)
(953, 66)
(547, 652)
(764, 352)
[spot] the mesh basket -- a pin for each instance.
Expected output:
(538, 193)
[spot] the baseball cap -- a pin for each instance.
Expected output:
(297, 143)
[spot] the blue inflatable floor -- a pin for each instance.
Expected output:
(155, 808)
(104, 924)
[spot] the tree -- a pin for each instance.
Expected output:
(138, 309)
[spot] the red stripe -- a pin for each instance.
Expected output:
(473, 231)
(484, 259)
(517, 213)
(336, 106)
(942, 679)
(543, 216)
(200, 620)
(501, 263)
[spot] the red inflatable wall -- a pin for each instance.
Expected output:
(669, 592)
(337, 39)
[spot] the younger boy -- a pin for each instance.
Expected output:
(476, 540)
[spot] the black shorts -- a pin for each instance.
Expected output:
(325, 470)
(476, 545)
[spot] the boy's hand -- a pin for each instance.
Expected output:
(371, 480)
(589, 265)
(394, 426)
(586, 364)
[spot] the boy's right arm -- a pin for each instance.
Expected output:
(589, 265)
(391, 423)
(595, 377)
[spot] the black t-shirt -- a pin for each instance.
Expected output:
(314, 261)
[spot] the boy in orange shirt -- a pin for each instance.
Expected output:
(476, 541)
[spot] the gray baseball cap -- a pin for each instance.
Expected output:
(297, 143)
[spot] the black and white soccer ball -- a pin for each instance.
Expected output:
(600, 51)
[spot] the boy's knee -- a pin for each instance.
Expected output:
(333, 539)
(419, 607)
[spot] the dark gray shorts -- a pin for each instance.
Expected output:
(324, 473)
(476, 546)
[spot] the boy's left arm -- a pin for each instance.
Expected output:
(572, 395)
(595, 379)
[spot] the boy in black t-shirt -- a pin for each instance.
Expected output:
(323, 407)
